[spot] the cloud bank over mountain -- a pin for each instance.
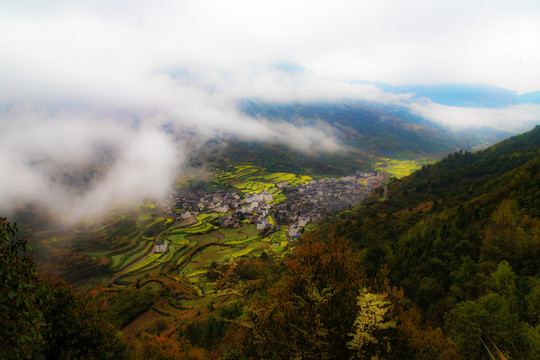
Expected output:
(125, 80)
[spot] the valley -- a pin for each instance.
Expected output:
(181, 245)
(244, 180)
(243, 211)
(194, 266)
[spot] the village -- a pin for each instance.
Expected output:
(306, 203)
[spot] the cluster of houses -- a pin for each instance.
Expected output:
(198, 200)
(295, 229)
(259, 203)
(313, 201)
(256, 209)
(253, 207)
(310, 202)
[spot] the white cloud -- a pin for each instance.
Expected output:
(394, 41)
(77, 76)
(37, 151)
(515, 118)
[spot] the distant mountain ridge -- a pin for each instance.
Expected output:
(530, 97)
(374, 128)
(462, 95)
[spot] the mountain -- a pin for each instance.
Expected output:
(462, 95)
(462, 238)
(456, 244)
(373, 129)
(483, 96)
(530, 97)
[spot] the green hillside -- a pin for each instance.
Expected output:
(370, 132)
(376, 129)
(462, 237)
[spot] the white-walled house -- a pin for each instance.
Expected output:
(160, 247)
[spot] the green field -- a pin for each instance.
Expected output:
(195, 252)
(400, 168)
(252, 179)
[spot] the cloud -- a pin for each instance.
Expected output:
(515, 118)
(45, 160)
(393, 41)
(93, 82)
(48, 146)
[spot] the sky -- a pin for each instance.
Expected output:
(76, 75)
(400, 42)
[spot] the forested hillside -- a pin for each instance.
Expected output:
(462, 237)
(377, 129)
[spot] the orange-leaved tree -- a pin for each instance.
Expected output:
(311, 312)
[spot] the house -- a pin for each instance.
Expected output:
(229, 222)
(222, 209)
(283, 184)
(294, 230)
(263, 224)
(350, 178)
(160, 247)
(303, 220)
(246, 209)
(185, 215)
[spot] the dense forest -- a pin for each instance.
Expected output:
(462, 237)
(446, 266)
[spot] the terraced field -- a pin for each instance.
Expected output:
(256, 187)
(192, 250)
(252, 179)
(400, 168)
(126, 241)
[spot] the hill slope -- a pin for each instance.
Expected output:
(378, 129)
(451, 232)
(366, 129)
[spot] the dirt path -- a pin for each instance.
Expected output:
(194, 252)
(217, 235)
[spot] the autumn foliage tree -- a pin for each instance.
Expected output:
(374, 317)
(161, 347)
(44, 319)
(310, 313)
(325, 308)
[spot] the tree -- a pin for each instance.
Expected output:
(309, 314)
(43, 319)
(533, 303)
(153, 347)
(504, 283)
(77, 329)
(489, 317)
(372, 319)
(21, 319)
(129, 304)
